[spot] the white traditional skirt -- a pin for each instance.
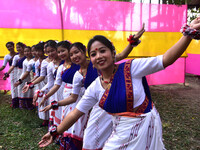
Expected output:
(14, 90)
(98, 129)
(66, 93)
(56, 115)
(42, 115)
(141, 133)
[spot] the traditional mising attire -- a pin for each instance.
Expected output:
(18, 63)
(14, 93)
(66, 75)
(26, 99)
(136, 123)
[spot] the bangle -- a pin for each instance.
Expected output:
(20, 81)
(192, 33)
(133, 41)
(31, 85)
(6, 75)
(54, 105)
(54, 133)
(39, 93)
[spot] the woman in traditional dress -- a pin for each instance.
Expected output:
(119, 91)
(8, 59)
(25, 98)
(94, 137)
(17, 66)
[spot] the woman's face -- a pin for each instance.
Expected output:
(27, 52)
(63, 53)
(39, 53)
(19, 49)
(10, 47)
(51, 52)
(77, 56)
(101, 56)
(33, 51)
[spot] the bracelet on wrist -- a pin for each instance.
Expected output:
(39, 93)
(54, 105)
(20, 81)
(31, 85)
(6, 75)
(192, 33)
(54, 133)
(133, 41)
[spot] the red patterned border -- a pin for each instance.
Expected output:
(143, 106)
(103, 98)
(128, 86)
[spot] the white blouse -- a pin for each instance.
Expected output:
(139, 68)
(6, 59)
(15, 60)
(50, 76)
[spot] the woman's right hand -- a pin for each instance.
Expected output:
(35, 97)
(25, 88)
(47, 108)
(46, 140)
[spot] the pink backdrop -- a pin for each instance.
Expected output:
(193, 64)
(175, 73)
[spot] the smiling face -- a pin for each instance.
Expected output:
(63, 53)
(77, 56)
(20, 49)
(10, 47)
(51, 52)
(27, 52)
(101, 56)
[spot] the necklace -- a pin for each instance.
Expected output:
(111, 77)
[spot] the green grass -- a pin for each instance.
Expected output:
(19, 129)
(180, 121)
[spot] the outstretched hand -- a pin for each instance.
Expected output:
(47, 108)
(140, 33)
(25, 88)
(43, 101)
(35, 97)
(195, 24)
(46, 140)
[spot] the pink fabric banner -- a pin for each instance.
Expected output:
(193, 64)
(4, 84)
(122, 16)
(34, 14)
(174, 73)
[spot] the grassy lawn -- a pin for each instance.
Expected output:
(19, 129)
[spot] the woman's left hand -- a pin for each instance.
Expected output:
(46, 140)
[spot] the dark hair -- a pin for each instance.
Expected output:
(78, 45)
(11, 43)
(21, 44)
(40, 47)
(65, 44)
(101, 39)
(50, 43)
(28, 47)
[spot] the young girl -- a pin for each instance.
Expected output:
(25, 98)
(16, 67)
(119, 91)
(8, 59)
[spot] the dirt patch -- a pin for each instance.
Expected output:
(188, 92)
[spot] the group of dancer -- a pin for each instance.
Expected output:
(93, 103)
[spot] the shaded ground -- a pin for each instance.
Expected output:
(179, 107)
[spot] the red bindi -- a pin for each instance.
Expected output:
(96, 49)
